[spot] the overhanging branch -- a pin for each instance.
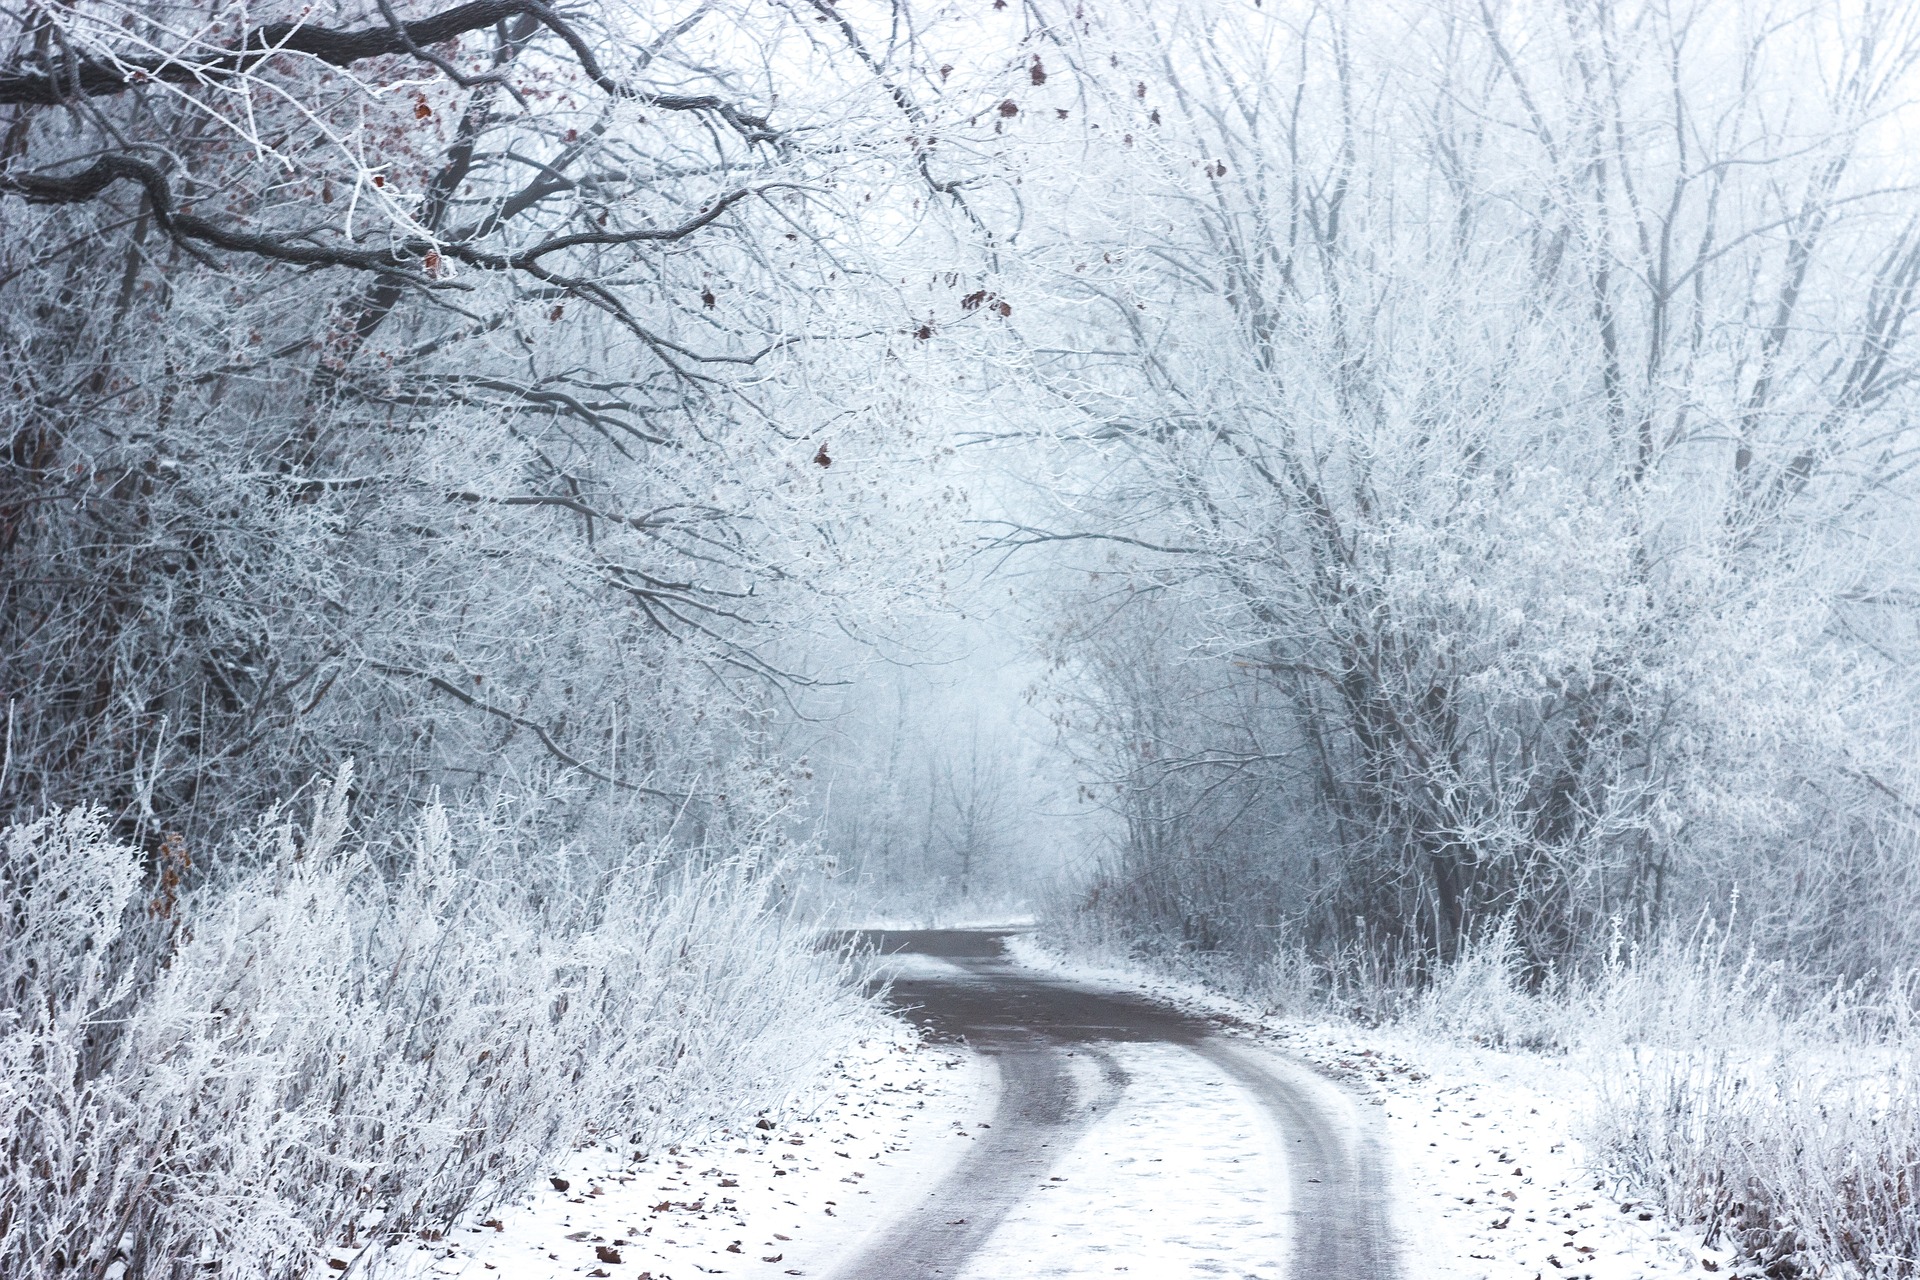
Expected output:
(395, 259)
(41, 81)
(112, 168)
(539, 731)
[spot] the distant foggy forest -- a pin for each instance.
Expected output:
(512, 516)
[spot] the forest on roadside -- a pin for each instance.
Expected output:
(512, 513)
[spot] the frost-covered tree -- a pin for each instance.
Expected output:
(1500, 417)
(473, 390)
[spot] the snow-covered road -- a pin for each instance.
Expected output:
(1063, 1122)
(1089, 1132)
(1127, 1137)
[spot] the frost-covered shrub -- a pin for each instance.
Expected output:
(324, 1053)
(1786, 1120)
(64, 890)
(1801, 1160)
(1484, 997)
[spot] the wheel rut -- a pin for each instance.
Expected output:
(1032, 1028)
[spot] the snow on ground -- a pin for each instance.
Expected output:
(1491, 1182)
(1181, 1177)
(788, 1200)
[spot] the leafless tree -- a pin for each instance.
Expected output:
(447, 386)
(1520, 396)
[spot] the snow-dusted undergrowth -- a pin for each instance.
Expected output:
(324, 1050)
(1780, 1115)
(1789, 1121)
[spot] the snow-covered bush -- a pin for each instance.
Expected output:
(323, 1053)
(1485, 997)
(1779, 1112)
(1786, 1120)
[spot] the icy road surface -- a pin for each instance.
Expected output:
(1127, 1138)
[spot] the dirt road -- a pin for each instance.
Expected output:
(1334, 1206)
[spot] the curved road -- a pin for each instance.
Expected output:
(1029, 1024)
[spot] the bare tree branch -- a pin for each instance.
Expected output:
(41, 81)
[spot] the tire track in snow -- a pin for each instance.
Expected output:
(1337, 1176)
(1036, 1030)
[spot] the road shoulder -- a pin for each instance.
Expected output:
(792, 1199)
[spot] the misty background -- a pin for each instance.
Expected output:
(514, 517)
